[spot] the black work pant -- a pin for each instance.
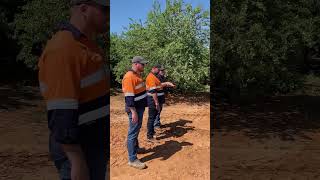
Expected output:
(152, 115)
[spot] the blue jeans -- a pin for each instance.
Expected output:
(157, 120)
(133, 133)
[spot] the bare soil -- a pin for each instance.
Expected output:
(183, 151)
(271, 139)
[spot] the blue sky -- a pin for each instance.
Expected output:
(122, 10)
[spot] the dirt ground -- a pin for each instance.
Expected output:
(275, 139)
(183, 151)
(23, 135)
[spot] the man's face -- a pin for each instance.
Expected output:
(161, 72)
(140, 67)
(97, 17)
(155, 70)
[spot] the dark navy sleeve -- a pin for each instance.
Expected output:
(130, 101)
(63, 124)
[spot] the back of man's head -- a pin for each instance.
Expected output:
(99, 2)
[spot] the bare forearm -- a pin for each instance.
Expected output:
(79, 168)
(167, 84)
(73, 152)
(155, 98)
(132, 109)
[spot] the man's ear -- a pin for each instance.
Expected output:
(83, 8)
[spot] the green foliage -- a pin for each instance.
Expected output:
(8, 45)
(3, 25)
(257, 45)
(35, 25)
(177, 37)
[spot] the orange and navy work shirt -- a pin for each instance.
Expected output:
(153, 85)
(73, 78)
(134, 89)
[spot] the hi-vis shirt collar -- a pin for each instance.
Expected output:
(77, 34)
(134, 72)
(155, 75)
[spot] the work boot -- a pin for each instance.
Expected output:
(137, 164)
(152, 140)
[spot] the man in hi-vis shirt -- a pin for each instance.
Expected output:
(134, 90)
(155, 99)
(75, 85)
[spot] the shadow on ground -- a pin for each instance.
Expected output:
(286, 117)
(14, 96)
(176, 129)
(198, 99)
(165, 151)
(115, 91)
